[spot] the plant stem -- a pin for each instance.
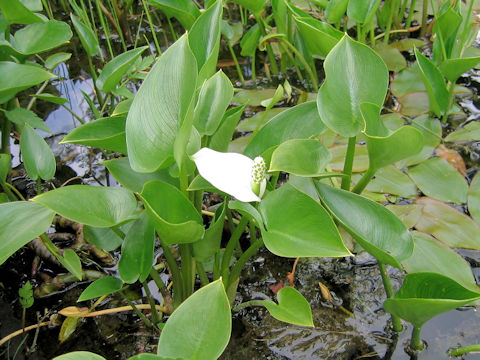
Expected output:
(348, 165)
(254, 74)
(9, 193)
(137, 311)
(237, 65)
(163, 289)
(424, 18)
(397, 324)
(271, 55)
(310, 71)
(94, 78)
(202, 274)
(247, 304)
(6, 126)
(388, 27)
(416, 342)
(362, 184)
(232, 244)
(152, 28)
(237, 268)
(465, 349)
(176, 276)
(187, 270)
(151, 301)
(451, 95)
(410, 14)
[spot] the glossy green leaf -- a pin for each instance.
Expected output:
(213, 99)
(220, 140)
(319, 37)
(71, 262)
(452, 69)
(40, 37)
(100, 287)
(255, 6)
(409, 214)
(159, 108)
(446, 28)
(438, 179)
(431, 129)
(137, 250)
(132, 180)
(392, 181)
(210, 244)
(375, 228)
(103, 238)
(250, 40)
(23, 116)
(51, 98)
(426, 295)
(184, 11)
(175, 218)
(79, 355)
(17, 13)
(21, 222)
(362, 11)
(114, 70)
(298, 226)
(299, 122)
(204, 40)
(303, 157)
(292, 307)
(91, 205)
(430, 255)
(336, 10)
(435, 84)
(87, 37)
(37, 156)
(5, 166)
(473, 198)
(105, 133)
(448, 225)
(471, 131)
(69, 325)
(200, 327)
(56, 59)
(339, 98)
(247, 209)
(18, 77)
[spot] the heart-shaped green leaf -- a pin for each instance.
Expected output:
(426, 295)
(184, 11)
(175, 218)
(362, 11)
(21, 116)
(113, 72)
(137, 250)
(303, 157)
(438, 179)
(448, 225)
(375, 228)
(299, 122)
(298, 226)
(17, 13)
(38, 158)
(452, 69)
(103, 286)
(292, 307)
(40, 37)
(105, 133)
(319, 37)
(335, 10)
(91, 205)
(21, 222)
(200, 327)
(159, 108)
(214, 97)
(56, 59)
(430, 255)
(339, 98)
(87, 37)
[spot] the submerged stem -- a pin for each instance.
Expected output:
(416, 342)
(397, 324)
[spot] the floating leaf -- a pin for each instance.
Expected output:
(292, 307)
(426, 295)
(174, 216)
(471, 131)
(159, 108)
(303, 157)
(414, 103)
(438, 179)
(21, 222)
(137, 250)
(253, 97)
(360, 162)
(447, 224)
(350, 59)
(37, 156)
(100, 287)
(200, 327)
(375, 228)
(114, 70)
(392, 56)
(429, 255)
(105, 133)
(408, 214)
(407, 81)
(392, 181)
(298, 226)
(90, 205)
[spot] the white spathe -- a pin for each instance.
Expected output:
(228, 172)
